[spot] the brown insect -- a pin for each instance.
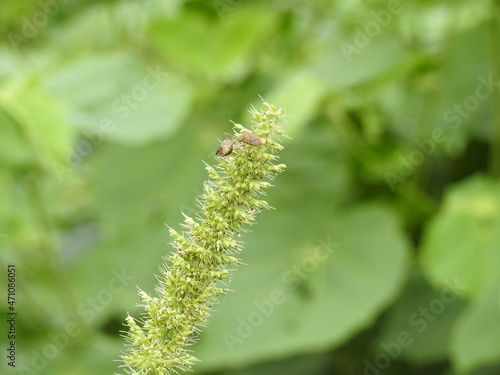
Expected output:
(251, 139)
(225, 148)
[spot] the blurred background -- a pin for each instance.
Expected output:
(383, 253)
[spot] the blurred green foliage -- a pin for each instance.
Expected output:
(384, 246)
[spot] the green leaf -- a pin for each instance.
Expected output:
(14, 147)
(299, 95)
(213, 48)
(115, 98)
(298, 297)
(300, 365)
(340, 69)
(476, 339)
(426, 317)
(465, 103)
(35, 132)
(463, 240)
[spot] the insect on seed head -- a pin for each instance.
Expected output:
(225, 148)
(251, 139)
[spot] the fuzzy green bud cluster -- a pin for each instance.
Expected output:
(193, 277)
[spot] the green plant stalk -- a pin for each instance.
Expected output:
(191, 279)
